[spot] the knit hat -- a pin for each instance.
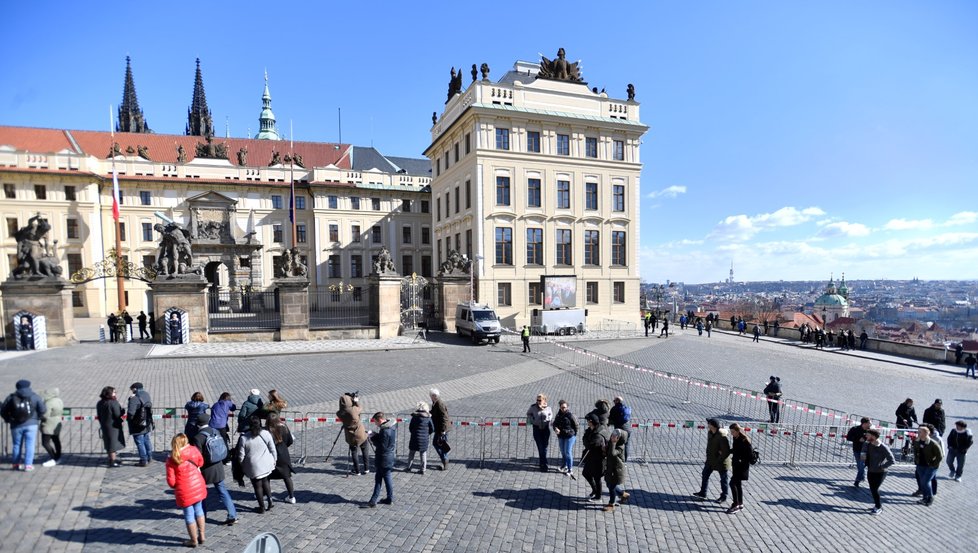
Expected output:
(136, 386)
(203, 419)
(21, 384)
(255, 392)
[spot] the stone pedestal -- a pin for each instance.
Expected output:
(46, 296)
(452, 290)
(187, 294)
(385, 304)
(293, 296)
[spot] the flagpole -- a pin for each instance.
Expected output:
(119, 280)
(292, 182)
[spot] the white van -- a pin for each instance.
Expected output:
(479, 322)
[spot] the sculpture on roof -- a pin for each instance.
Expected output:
(485, 71)
(455, 264)
(631, 91)
(130, 150)
(434, 117)
(454, 84)
(243, 156)
(560, 69)
(34, 257)
(143, 152)
(475, 72)
(210, 150)
(114, 150)
(384, 265)
(276, 158)
(181, 154)
(297, 159)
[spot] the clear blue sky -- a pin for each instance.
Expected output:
(792, 139)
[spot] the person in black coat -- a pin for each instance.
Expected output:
(282, 437)
(773, 393)
(213, 469)
(383, 441)
(421, 428)
(935, 415)
(110, 419)
(906, 417)
(595, 442)
(741, 452)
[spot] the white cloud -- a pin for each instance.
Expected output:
(962, 218)
(908, 224)
(843, 228)
(742, 227)
(668, 192)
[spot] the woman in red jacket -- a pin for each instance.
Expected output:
(183, 475)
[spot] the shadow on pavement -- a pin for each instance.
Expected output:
(116, 536)
(813, 507)
(143, 509)
(535, 498)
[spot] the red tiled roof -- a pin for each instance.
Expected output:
(28, 139)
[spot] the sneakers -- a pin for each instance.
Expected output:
(49, 463)
(369, 505)
(957, 478)
(917, 493)
(625, 496)
(855, 484)
(876, 510)
(951, 475)
(29, 468)
(386, 501)
(593, 499)
(290, 499)
(734, 509)
(701, 495)
(230, 522)
(16, 466)
(722, 499)
(609, 508)
(925, 502)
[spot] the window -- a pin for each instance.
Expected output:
(150, 260)
(563, 194)
(276, 201)
(620, 150)
(426, 265)
(375, 204)
(458, 198)
(618, 248)
(300, 202)
(437, 167)
(533, 193)
(277, 233)
(563, 145)
(375, 236)
(468, 243)
(406, 235)
(564, 247)
(446, 160)
(456, 152)
(332, 202)
(300, 233)
(334, 232)
(502, 139)
(438, 247)
(438, 209)
(591, 195)
(534, 293)
(41, 192)
(9, 191)
(468, 143)
(145, 197)
(77, 299)
(407, 264)
(244, 262)
(406, 206)
(12, 227)
(504, 246)
(533, 141)
(122, 231)
(468, 194)
(534, 246)
(355, 232)
(619, 290)
(502, 190)
(425, 236)
(591, 292)
(147, 232)
(71, 226)
(448, 203)
(458, 242)
(425, 206)
(355, 203)
(356, 266)
(75, 263)
(333, 265)
(618, 198)
(504, 293)
(70, 194)
(591, 147)
(357, 293)
(592, 249)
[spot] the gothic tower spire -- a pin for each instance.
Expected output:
(266, 120)
(199, 122)
(130, 116)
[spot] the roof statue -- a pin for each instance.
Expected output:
(276, 158)
(35, 258)
(243, 156)
(484, 68)
(434, 117)
(630, 91)
(181, 154)
(130, 116)
(560, 69)
(115, 150)
(130, 150)
(266, 121)
(199, 121)
(210, 150)
(143, 152)
(454, 84)
(475, 72)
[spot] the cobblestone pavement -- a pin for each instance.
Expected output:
(502, 504)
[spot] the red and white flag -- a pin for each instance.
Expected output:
(115, 193)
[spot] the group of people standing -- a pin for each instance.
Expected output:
(28, 413)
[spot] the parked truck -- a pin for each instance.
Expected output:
(558, 321)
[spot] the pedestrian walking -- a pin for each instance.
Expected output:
(421, 429)
(139, 416)
(935, 415)
(141, 319)
(258, 455)
(184, 477)
(109, 414)
(648, 322)
(665, 328)
(594, 457)
(699, 327)
(969, 363)
(251, 407)
(877, 458)
(773, 394)
(111, 321)
(655, 323)
(850, 340)
(619, 416)
(23, 410)
(127, 318)
(777, 327)
(709, 328)
(221, 416)
(539, 416)
(958, 353)
(857, 435)
(214, 451)
(152, 325)
(439, 416)
(353, 432)
(742, 454)
(275, 404)
(863, 338)
(959, 441)
(525, 336)
(282, 437)
(717, 460)
(194, 407)
(383, 441)
(614, 474)
(565, 426)
(51, 425)
(906, 418)
(927, 457)
(757, 334)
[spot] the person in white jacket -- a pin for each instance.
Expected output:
(540, 416)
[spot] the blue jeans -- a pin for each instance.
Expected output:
(956, 457)
(707, 471)
(614, 492)
(566, 452)
(443, 455)
(860, 468)
(542, 437)
(222, 490)
(924, 477)
(25, 440)
(144, 444)
(970, 370)
(383, 476)
(193, 512)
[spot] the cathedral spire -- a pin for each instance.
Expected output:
(266, 121)
(199, 122)
(130, 116)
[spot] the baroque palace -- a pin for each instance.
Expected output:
(532, 174)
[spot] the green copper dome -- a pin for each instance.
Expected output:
(266, 120)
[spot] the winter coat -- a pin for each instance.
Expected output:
(603, 410)
(594, 457)
(185, 479)
(37, 407)
(958, 441)
(619, 416)
(221, 414)
(213, 472)
(566, 423)
(614, 473)
(283, 461)
(109, 414)
(56, 408)
(349, 415)
(773, 390)
(905, 416)
(439, 416)
(257, 454)
(718, 450)
(857, 435)
(935, 417)
(741, 451)
(539, 417)
(928, 454)
(421, 429)
(877, 457)
(250, 407)
(139, 400)
(193, 408)
(384, 440)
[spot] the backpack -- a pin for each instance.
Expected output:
(17, 409)
(755, 456)
(215, 448)
(142, 417)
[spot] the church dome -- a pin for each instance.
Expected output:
(829, 300)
